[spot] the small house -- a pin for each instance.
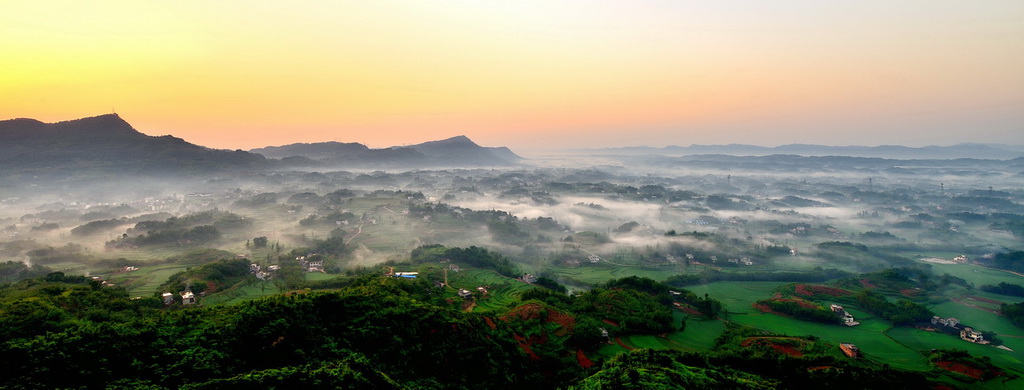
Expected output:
(845, 316)
(951, 322)
(850, 350)
(188, 298)
(315, 265)
(969, 334)
(168, 298)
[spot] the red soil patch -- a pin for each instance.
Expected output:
(525, 344)
(803, 290)
(621, 344)
(583, 360)
(529, 311)
(972, 372)
(763, 308)
(810, 290)
(567, 322)
(804, 304)
(533, 311)
(867, 284)
(788, 350)
(909, 292)
(490, 323)
(210, 287)
(819, 368)
(610, 322)
(983, 299)
(780, 348)
(689, 310)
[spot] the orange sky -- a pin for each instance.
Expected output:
(527, 74)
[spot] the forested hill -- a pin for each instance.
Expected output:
(381, 332)
(457, 151)
(107, 144)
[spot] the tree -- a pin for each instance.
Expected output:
(260, 242)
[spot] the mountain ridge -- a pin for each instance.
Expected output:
(965, 150)
(108, 144)
(455, 151)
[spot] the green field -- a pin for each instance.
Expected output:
(1011, 335)
(737, 296)
(314, 276)
(870, 336)
(247, 291)
(501, 291)
(699, 335)
(147, 280)
(590, 274)
(977, 275)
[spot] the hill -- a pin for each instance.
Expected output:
(65, 331)
(457, 151)
(107, 144)
(977, 151)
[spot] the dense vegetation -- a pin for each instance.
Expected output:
(12, 271)
(1013, 261)
(903, 312)
(71, 332)
(816, 275)
(473, 256)
(801, 310)
(1015, 312)
(191, 230)
(1004, 288)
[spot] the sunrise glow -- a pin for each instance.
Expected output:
(244, 74)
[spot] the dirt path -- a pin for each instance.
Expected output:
(358, 232)
(621, 344)
(1003, 270)
(957, 300)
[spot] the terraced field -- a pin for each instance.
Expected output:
(501, 293)
(590, 274)
(147, 280)
(249, 291)
(699, 335)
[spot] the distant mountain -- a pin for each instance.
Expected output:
(457, 151)
(988, 169)
(107, 144)
(461, 148)
(973, 150)
(320, 150)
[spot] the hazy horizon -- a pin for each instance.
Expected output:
(528, 75)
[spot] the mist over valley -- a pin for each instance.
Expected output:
(772, 239)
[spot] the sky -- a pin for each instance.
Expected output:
(532, 75)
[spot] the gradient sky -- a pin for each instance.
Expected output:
(526, 74)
